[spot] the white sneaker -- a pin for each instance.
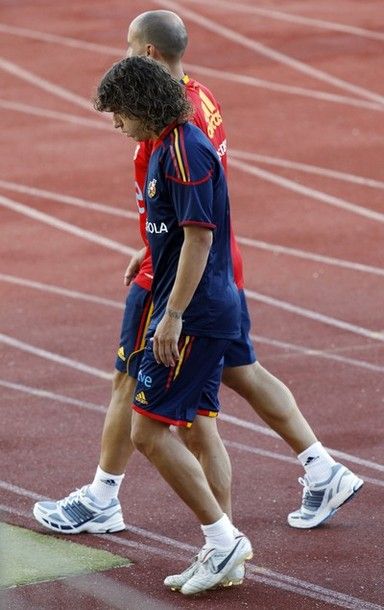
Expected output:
(233, 578)
(322, 500)
(78, 513)
(214, 566)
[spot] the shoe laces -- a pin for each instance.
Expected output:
(311, 497)
(74, 496)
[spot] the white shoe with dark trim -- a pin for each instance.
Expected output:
(79, 512)
(233, 578)
(321, 500)
(213, 567)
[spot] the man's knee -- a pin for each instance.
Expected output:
(145, 434)
(138, 435)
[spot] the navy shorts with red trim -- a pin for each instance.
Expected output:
(137, 314)
(241, 352)
(175, 395)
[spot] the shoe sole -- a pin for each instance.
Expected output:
(224, 584)
(326, 516)
(221, 585)
(86, 528)
(245, 557)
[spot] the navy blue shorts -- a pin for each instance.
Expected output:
(137, 314)
(241, 351)
(175, 395)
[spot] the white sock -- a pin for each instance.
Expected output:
(317, 463)
(219, 534)
(105, 486)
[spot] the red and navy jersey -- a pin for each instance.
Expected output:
(207, 116)
(186, 185)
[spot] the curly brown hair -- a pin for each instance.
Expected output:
(141, 88)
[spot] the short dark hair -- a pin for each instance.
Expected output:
(141, 88)
(165, 30)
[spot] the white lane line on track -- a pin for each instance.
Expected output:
(313, 315)
(121, 541)
(57, 116)
(211, 72)
(50, 288)
(75, 43)
(233, 153)
(235, 160)
(42, 353)
(260, 173)
(69, 200)
(245, 241)
(306, 168)
(70, 228)
(36, 81)
(268, 52)
(106, 592)
(67, 227)
(293, 18)
(291, 460)
(230, 419)
(255, 573)
(116, 246)
(260, 83)
(326, 354)
(306, 255)
(307, 191)
(265, 175)
(40, 393)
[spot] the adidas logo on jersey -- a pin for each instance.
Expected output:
(211, 113)
(140, 397)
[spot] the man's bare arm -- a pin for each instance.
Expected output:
(192, 262)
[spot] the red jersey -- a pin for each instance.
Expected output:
(207, 116)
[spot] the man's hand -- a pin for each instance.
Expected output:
(134, 266)
(166, 338)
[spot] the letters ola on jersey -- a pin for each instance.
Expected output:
(156, 227)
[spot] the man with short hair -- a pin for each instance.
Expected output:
(162, 36)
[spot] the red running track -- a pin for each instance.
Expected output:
(305, 130)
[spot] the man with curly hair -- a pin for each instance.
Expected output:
(196, 305)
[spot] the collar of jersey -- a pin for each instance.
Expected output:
(166, 131)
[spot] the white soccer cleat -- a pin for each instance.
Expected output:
(233, 578)
(78, 513)
(214, 567)
(321, 500)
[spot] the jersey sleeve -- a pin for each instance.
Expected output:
(141, 160)
(189, 173)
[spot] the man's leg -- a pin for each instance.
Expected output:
(95, 508)
(204, 441)
(164, 397)
(273, 402)
(327, 484)
(116, 450)
(177, 466)
(116, 444)
(224, 552)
